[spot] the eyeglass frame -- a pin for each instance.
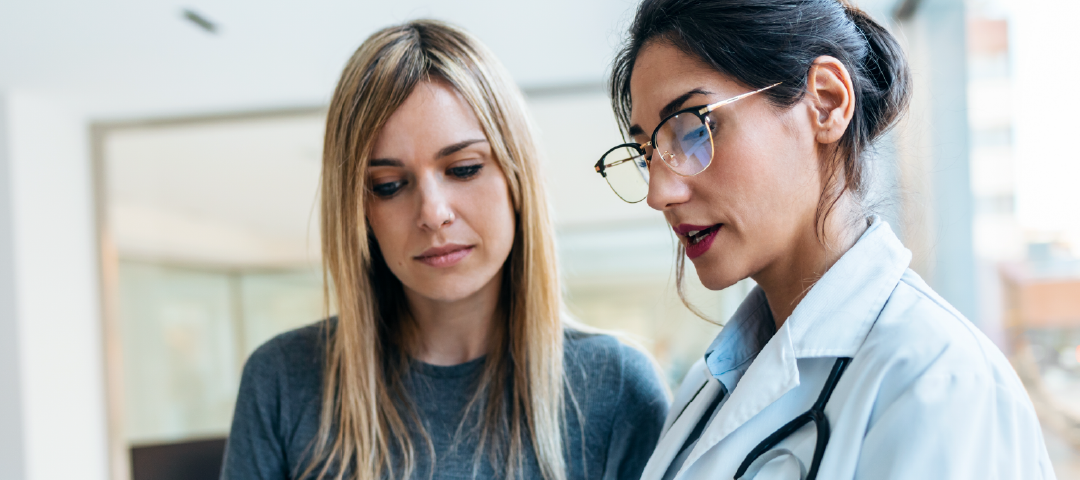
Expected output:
(701, 111)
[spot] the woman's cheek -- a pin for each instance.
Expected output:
(388, 233)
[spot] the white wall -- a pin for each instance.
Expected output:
(49, 293)
(11, 431)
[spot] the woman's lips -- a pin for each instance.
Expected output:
(445, 256)
(698, 238)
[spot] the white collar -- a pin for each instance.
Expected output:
(838, 312)
(833, 320)
(846, 299)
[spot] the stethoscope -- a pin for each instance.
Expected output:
(815, 414)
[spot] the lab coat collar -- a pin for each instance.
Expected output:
(831, 321)
(838, 312)
(772, 374)
(847, 299)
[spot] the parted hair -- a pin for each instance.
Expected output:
(366, 415)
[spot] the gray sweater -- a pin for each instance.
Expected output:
(620, 397)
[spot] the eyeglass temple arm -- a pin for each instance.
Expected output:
(612, 164)
(600, 165)
(714, 106)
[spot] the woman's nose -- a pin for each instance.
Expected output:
(666, 188)
(435, 207)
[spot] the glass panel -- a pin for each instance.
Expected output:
(186, 335)
(277, 302)
(182, 368)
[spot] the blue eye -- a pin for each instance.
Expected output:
(387, 189)
(467, 171)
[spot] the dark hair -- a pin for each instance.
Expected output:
(762, 42)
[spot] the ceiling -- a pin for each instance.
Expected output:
(114, 59)
(119, 59)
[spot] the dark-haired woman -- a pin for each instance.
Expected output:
(749, 120)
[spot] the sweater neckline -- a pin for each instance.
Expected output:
(470, 367)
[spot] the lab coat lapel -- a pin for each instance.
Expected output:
(688, 390)
(773, 374)
(672, 440)
(837, 314)
(831, 321)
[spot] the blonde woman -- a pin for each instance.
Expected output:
(450, 357)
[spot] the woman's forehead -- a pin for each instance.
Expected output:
(431, 118)
(663, 72)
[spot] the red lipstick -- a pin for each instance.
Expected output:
(698, 238)
(445, 256)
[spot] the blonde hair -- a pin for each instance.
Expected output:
(522, 386)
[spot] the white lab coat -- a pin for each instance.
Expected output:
(926, 396)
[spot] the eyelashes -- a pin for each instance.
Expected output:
(465, 172)
(391, 188)
(387, 189)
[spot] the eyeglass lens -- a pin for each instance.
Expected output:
(684, 142)
(627, 173)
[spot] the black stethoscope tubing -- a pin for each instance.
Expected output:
(815, 414)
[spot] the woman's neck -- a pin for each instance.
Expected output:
(787, 280)
(453, 332)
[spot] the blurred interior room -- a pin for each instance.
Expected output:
(159, 169)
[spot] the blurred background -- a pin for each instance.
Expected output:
(158, 202)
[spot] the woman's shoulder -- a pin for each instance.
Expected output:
(295, 356)
(919, 337)
(600, 362)
(601, 351)
(277, 408)
(920, 323)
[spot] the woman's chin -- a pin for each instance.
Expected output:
(716, 278)
(450, 289)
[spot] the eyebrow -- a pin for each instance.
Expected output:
(457, 147)
(672, 107)
(385, 162)
(445, 151)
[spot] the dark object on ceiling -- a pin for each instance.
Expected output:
(200, 21)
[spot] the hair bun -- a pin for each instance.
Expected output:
(887, 92)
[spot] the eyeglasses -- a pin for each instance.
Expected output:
(684, 140)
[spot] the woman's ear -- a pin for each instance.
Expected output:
(832, 98)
